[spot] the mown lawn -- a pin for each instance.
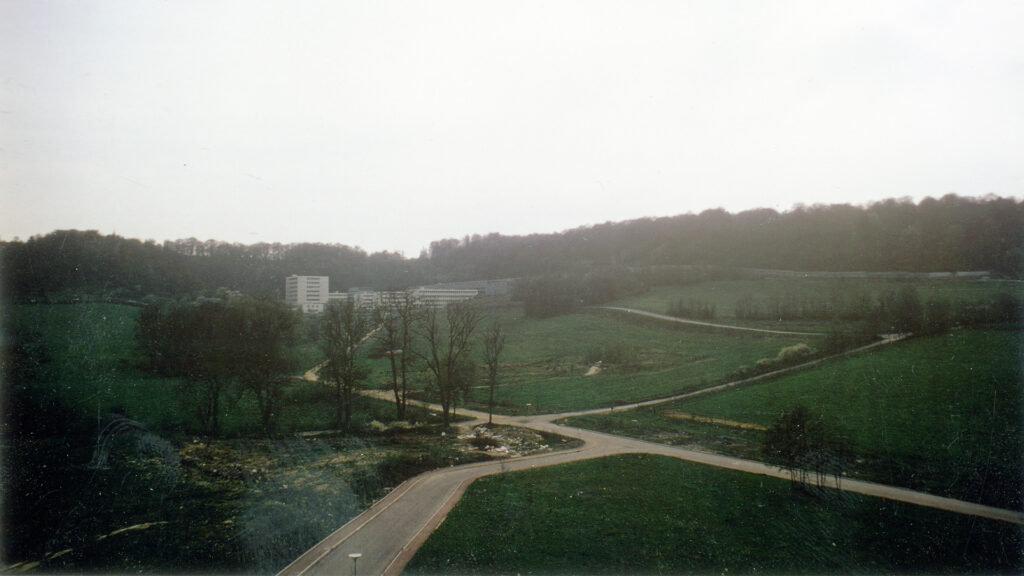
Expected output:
(942, 414)
(639, 514)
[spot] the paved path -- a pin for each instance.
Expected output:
(709, 324)
(389, 533)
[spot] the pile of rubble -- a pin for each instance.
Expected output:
(505, 441)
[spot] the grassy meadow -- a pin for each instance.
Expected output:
(639, 514)
(942, 413)
(545, 361)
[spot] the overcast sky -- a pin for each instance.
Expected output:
(387, 125)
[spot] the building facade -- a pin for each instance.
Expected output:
(312, 294)
(307, 292)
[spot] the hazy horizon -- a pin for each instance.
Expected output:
(460, 236)
(388, 125)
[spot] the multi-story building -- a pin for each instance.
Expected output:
(312, 294)
(307, 292)
(441, 297)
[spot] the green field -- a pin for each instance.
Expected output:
(639, 514)
(942, 414)
(724, 294)
(545, 361)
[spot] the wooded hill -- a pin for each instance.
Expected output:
(948, 234)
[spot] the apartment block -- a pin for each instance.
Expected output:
(307, 292)
(312, 294)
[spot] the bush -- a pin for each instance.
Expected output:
(788, 356)
(794, 353)
(618, 354)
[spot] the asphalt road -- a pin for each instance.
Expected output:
(389, 533)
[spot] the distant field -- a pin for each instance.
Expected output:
(724, 294)
(943, 414)
(650, 514)
(545, 361)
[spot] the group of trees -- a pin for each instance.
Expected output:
(552, 295)
(214, 346)
(436, 343)
(693, 308)
(344, 328)
(227, 347)
(899, 310)
(804, 444)
(109, 266)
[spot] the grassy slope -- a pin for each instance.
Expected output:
(943, 413)
(544, 361)
(649, 514)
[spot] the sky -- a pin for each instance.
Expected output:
(387, 125)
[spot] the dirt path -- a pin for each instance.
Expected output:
(708, 324)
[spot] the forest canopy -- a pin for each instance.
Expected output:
(935, 235)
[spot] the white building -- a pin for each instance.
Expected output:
(441, 297)
(307, 292)
(311, 294)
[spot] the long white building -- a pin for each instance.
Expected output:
(312, 294)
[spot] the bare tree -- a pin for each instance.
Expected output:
(396, 317)
(494, 341)
(344, 327)
(446, 337)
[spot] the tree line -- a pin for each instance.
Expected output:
(946, 234)
(898, 310)
(67, 262)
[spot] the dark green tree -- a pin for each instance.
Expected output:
(267, 333)
(803, 443)
(198, 343)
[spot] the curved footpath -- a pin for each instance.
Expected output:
(389, 532)
(708, 324)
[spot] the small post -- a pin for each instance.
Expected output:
(355, 556)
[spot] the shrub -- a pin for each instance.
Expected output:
(794, 353)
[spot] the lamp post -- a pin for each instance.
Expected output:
(355, 556)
